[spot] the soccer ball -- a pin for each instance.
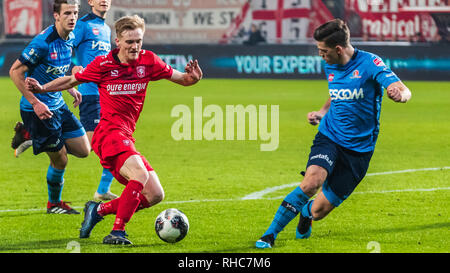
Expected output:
(171, 225)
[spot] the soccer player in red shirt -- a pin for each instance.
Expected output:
(122, 77)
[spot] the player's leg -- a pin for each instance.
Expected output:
(350, 168)
(89, 118)
(320, 164)
(73, 133)
(316, 209)
(46, 137)
(293, 204)
(55, 183)
(78, 146)
(21, 140)
(152, 194)
(153, 191)
(135, 171)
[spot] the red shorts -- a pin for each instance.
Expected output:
(114, 147)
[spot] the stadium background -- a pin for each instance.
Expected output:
(411, 36)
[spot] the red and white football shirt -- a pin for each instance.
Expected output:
(122, 87)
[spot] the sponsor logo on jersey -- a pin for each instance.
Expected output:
(140, 71)
(355, 75)
(346, 94)
(100, 45)
(330, 77)
(57, 70)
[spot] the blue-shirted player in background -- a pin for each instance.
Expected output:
(348, 130)
(52, 126)
(92, 39)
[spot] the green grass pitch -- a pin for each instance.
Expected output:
(389, 211)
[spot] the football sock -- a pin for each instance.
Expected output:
(55, 184)
(111, 206)
(129, 201)
(289, 208)
(105, 182)
(306, 210)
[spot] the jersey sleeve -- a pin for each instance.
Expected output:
(381, 73)
(91, 73)
(160, 70)
(34, 53)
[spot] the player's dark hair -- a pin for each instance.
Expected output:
(333, 33)
(58, 3)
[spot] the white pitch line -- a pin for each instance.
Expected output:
(260, 194)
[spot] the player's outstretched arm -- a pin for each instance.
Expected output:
(193, 73)
(398, 92)
(63, 83)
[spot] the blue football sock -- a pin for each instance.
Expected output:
(289, 208)
(55, 184)
(306, 210)
(105, 182)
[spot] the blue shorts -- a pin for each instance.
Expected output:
(346, 168)
(49, 135)
(90, 112)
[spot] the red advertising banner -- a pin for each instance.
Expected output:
(22, 17)
(394, 19)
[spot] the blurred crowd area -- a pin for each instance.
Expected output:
(251, 22)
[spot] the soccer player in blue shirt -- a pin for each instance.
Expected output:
(92, 39)
(52, 126)
(348, 130)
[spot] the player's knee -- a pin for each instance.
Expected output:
(318, 213)
(314, 178)
(158, 197)
(140, 174)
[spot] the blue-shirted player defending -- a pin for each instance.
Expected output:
(348, 130)
(52, 126)
(92, 39)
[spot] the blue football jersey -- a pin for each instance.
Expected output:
(356, 91)
(48, 57)
(92, 39)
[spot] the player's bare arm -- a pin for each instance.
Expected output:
(398, 92)
(314, 117)
(63, 83)
(17, 74)
(193, 73)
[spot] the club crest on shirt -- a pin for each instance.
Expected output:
(331, 77)
(126, 142)
(54, 55)
(355, 74)
(114, 73)
(140, 71)
(95, 31)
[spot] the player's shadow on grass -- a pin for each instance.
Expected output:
(60, 245)
(21, 214)
(443, 225)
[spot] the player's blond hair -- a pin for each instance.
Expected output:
(129, 23)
